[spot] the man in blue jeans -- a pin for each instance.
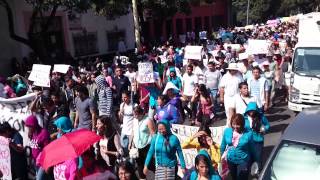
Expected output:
(212, 80)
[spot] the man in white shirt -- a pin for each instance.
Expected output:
(189, 84)
(242, 100)
(229, 88)
(259, 88)
(212, 80)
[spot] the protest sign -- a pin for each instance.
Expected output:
(15, 111)
(40, 74)
(61, 68)
(183, 132)
(236, 47)
(193, 52)
(145, 73)
(257, 46)
(5, 162)
(203, 35)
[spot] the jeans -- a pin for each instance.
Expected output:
(40, 174)
(214, 94)
(125, 139)
(239, 171)
(258, 146)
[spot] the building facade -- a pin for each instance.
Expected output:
(80, 35)
(204, 16)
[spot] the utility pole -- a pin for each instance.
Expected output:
(136, 23)
(248, 7)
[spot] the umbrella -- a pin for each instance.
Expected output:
(69, 146)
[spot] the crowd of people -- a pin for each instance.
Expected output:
(134, 119)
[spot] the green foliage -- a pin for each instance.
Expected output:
(262, 10)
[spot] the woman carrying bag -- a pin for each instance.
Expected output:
(143, 129)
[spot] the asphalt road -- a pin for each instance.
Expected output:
(279, 117)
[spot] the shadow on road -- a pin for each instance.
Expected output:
(278, 128)
(278, 117)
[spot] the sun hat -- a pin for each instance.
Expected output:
(233, 66)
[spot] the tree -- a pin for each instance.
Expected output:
(258, 10)
(36, 37)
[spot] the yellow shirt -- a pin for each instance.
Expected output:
(214, 150)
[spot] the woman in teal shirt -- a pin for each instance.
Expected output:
(175, 79)
(237, 147)
(256, 122)
(165, 145)
(204, 168)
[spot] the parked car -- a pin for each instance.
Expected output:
(297, 156)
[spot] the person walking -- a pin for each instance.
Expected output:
(212, 80)
(256, 122)
(237, 148)
(189, 84)
(86, 112)
(164, 146)
(229, 88)
(259, 88)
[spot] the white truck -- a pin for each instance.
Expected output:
(304, 91)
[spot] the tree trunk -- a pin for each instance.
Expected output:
(136, 24)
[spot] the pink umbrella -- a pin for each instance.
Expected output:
(69, 146)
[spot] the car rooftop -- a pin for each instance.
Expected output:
(305, 128)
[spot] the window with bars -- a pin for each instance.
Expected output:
(85, 43)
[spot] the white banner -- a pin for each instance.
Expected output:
(40, 74)
(193, 52)
(15, 111)
(5, 159)
(183, 132)
(145, 73)
(61, 68)
(257, 46)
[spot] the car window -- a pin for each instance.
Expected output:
(294, 161)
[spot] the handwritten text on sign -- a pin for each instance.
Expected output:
(40, 74)
(183, 132)
(5, 162)
(145, 74)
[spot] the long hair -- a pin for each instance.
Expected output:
(238, 119)
(256, 121)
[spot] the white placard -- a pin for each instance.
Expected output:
(145, 73)
(203, 35)
(40, 74)
(236, 47)
(193, 52)
(5, 159)
(257, 46)
(61, 68)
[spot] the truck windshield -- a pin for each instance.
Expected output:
(307, 61)
(294, 161)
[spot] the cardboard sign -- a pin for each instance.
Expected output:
(5, 159)
(203, 35)
(257, 46)
(145, 73)
(183, 132)
(236, 47)
(193, 52)
(61, 68)
(40, 74)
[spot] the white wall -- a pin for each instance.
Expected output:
(21, 10)
(101, 25)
